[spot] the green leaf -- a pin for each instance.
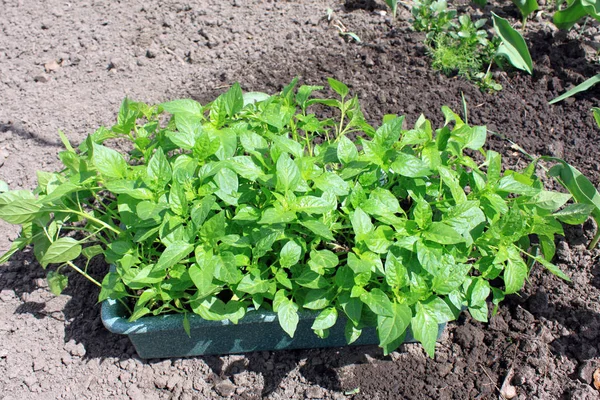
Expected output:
(62, 250)
(159, 170)
(317, 299)
(515, 271)
(213, 229)
(19, 211)
(338, 87)
(346, 150)
(108, 162)
(552, 268)
(277, 216)
(513, 46)
(410, 166)
(582, 87)
(246, 167)
(326, 319)
(184, 107)
(234, 100)
(320, 260)
(526, 6)
(576, 10)
(290, 254)
(253, 285)
(393, 5)
(550, 201)
(287, 313)
(361, 223)
(172, 254)
(56, 282)
(333, 183)
(425, 329)
(378, 302)
(313, 205)
(202, 276)
(579, 186)
(391, 328)
(442, 233)
(288, 174)
(317, 227)
(228, 184)
(574, 214)
(254, 97)
(226, 269)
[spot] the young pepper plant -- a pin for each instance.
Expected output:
(257, 202)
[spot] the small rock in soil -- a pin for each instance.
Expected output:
(40, 79)
(587, 370)
(596, 377)
(314, 392)
(75, 349)
(52, 66)
(225, 388)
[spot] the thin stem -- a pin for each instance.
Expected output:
(87, 276)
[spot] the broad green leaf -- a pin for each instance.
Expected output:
(253, 285)
(56, 282)
(513, 46)
(346, 150)
(361, 223)
(579, 186)
(276, 216)
(322, 259)
(392, 328)
(389, 133)
(442, 233)
(381, 202)
(338, 87)
(425, 329)
(574, 214)
(214, 228)
(184, 106)
(313, 205)
(510, 185)
(515, 272)
(201, 209)
(226, 269)
(410, 166)
(422, 212)
(526, 6)
(312, 280)
(288, 174)
(202, 276)
(333, 183)
(19, 211)
(317, 299)
(254, 97)
(227, 184)
(576, 10)
(550, 201)
(290, 254)
(319, 228)
(112, 287)
(378, 302)
(234, 100)
(62, 250)
(108, 162)
(159, 169)
(246, 167)
(396, 273)
(351, 332)
(326, 319)
(172, 254)
(287, 313)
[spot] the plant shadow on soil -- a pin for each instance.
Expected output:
(23, 275)
(17, 129)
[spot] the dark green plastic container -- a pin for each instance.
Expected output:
(163, 336)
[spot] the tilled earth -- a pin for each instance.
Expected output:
(67, 66)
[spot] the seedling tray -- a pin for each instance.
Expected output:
(164, 337)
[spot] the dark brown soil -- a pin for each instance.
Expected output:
(56, 347)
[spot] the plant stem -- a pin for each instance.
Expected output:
(88, 277)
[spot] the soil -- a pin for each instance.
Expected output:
(68, 65)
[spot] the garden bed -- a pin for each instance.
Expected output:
(102, 51)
